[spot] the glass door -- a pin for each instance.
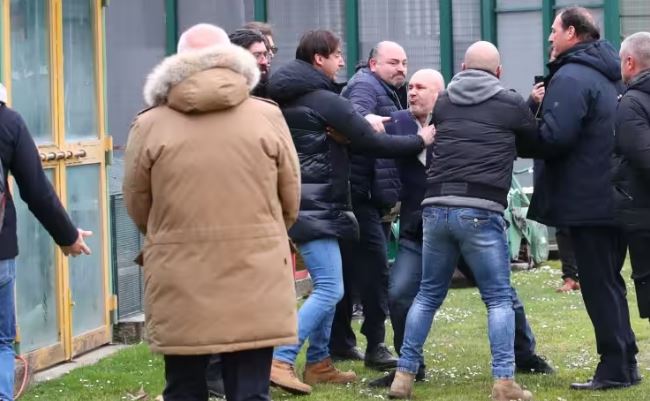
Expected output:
(55, 80)
(80, 112)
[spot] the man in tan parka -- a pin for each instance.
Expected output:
(212, 180)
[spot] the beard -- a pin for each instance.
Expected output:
(264, 74)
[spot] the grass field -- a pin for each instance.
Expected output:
(457, 355)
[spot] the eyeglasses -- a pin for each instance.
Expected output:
(274, 50)
(260, 55)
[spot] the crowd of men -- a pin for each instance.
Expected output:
(230, 167)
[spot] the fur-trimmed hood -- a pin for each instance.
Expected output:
(220, 76)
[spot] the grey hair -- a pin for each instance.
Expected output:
(184, 42)
(637, 45)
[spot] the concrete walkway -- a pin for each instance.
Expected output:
(86, 359)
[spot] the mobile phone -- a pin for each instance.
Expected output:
(538, 79)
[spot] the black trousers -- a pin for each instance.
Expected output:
(567, 256)
(639, 246)
(365, 266)
(600, 252)
(246, 376)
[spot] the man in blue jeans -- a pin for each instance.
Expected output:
(478, 123)
(406, 273)
(19, 156)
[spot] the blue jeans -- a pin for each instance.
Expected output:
(7, 328)
(480, 236)
(323, 261)
(405, 278)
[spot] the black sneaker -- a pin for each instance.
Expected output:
(535, 365)
(380, 358)
(386, 380)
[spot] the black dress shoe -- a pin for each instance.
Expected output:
(380, 358)
(386, 380)
(596, 384)
(534, 365)
(350, 354)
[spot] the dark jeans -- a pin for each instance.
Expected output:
(600, 252)
(365, 265)
(567, 257)
(246, 376)
(403, 286)
(639, 246)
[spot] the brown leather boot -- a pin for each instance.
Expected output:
(325, 372)
(508, 390)
(402, 387)
(283, 376)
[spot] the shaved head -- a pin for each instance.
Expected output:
(430, 77)
(424, 87)
(201, 36)
(482, 56)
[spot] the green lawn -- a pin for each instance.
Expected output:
(457, 355)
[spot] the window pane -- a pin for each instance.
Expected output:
(414, 24)
(521, 46)
(292, 18)
(36, 293)
(135, 44)
(30, 66)
(635, 16)
(229, 15)
(79, 70)
(569, 3)
(514, 4)
(467, 28)
(86, 272)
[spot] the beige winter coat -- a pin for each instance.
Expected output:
(212, 178)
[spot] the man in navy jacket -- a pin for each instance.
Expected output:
(375, 187)
(574, 190)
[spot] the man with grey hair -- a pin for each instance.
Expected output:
(478, 124)
(216, 227)
(632, 167)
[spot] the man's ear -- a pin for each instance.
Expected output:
(498, 71)
(318, 60)
(372, 64)
(463, 67)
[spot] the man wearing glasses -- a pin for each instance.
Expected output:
(261, 48)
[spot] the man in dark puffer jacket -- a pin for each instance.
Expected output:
(574, 188)
(323, 125)
(632, 172)
(375, 186)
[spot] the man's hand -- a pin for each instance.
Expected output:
(428, 134)
(537, 94)
(377, 122)
(79, 245)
